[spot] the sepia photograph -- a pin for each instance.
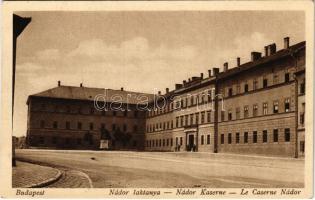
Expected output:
(151, 103)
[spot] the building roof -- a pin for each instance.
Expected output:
(89, 94)
(266, 59)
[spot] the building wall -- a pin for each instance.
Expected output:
(43, 113)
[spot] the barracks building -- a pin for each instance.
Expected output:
(252, 108)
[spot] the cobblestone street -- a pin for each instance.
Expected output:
(101, 169)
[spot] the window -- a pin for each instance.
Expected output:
(41, 140)
(230, 115)
(287, 77)
(222, 138)
(275, 135)
(202, 140)
(167, 142)
(186, 120)
(176, 141)
(255, 83)
(255, 110)
(160, 142)
(238, 89)
(92, 110)
(222, 115)
(287, 135)
(67, 141)
(287, 105)
(197, 118)
(237, 138)
(54, 140)
(67, 125)
(302, 146)
(124, 127)
(238, 113)
(275, 107)
(91, 126)
(181, 140)
(265, 136)
(209, 95)
(163, 142)
(177, 119)
(265, 108)
(245, 111)
(209, 116)
(255, 137)
(42, 124)
(55, 124)
(230, 138)
(113, 127)
(230, 92)
(79, 125)
(135, 128)
(202, 117)
(275, 78)
(246, 87)
(245, 137)
(192, 100)
(79, 141)
(265, 83)
(171, 141)
(208, 139)
(302, 116)
(102, 126)
(114, 113)
(191, 119)
(181, 121)
(302, 88)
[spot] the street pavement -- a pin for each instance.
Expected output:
(106, 169)
(23, 175)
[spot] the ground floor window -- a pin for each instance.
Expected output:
(302, 146)
(230, 138)
(265, 136)
(275, 135)
(287, 135)
(237, 137)
(245, 137)
(255, 137)
(208, 139)
(222, 138)
(202, 140)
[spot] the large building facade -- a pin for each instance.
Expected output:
(257, 107)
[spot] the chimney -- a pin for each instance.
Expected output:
(255, 56)
(59, 83)
(272, 49)
(215, 71)
(184, 82)
(121, 89)
(188, 80)
(178, 86)
(266, 51)
(209, 72)
(201, 75)
(81, 84)
(159, 92)
(167, 90)
(238, 61)
(286, 42)
(225, 66)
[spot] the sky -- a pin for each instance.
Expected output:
(142, 51)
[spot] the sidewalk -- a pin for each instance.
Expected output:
(26, 175)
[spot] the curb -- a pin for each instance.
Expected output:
(45, 182)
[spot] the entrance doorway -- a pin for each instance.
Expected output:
(191, 143)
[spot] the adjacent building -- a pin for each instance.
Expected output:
(257, 107)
